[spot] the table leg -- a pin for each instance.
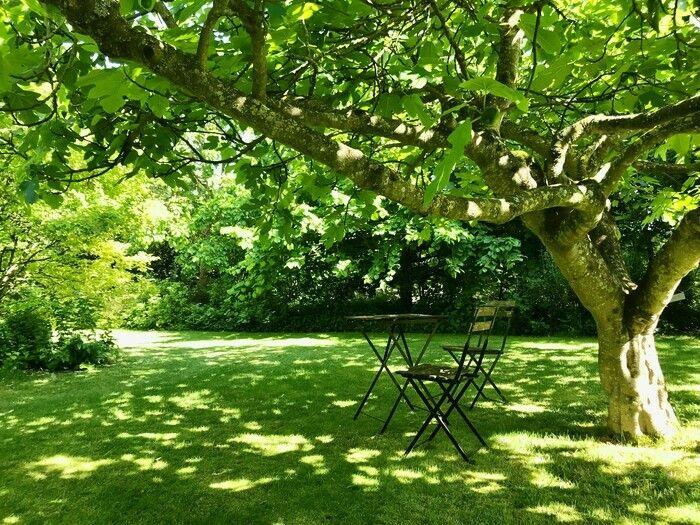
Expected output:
(390, 345)
(427, 342)
(406, 353)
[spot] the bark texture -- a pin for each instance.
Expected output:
(638, 401)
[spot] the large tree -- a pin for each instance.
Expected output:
(544, 111)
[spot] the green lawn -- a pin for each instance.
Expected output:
(240, 428)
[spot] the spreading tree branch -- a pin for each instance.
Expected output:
(666, 168)
(678, 256)
(254, 23)
(217, 11)
(165, 15)
(616, 124)
(118, 40)
(610, 178)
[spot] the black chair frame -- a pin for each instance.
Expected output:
(453, 382)
(492, 353)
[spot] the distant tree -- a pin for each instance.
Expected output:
(81, 260)
(545, 111)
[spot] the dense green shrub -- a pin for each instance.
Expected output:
(25, 337)
(73, 349)
(546, 303)
(26, 343)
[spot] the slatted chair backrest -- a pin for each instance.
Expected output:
(478, 337)
(499, 334)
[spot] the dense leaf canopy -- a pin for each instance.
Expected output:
(404, 82)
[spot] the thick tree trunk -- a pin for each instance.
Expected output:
(629, 368)
(631, 376)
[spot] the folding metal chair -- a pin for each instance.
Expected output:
(495, 347)
(454, 381)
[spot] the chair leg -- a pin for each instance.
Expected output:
(451, 407)
(455, 403)
(498, 390)
(431, 414)
(436, 412)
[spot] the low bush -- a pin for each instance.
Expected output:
(26, 343)
(25, 336)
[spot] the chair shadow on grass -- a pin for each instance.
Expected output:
(260, 430)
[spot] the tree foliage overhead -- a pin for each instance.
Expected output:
(402, 83)
(462, 110)
(553, 112)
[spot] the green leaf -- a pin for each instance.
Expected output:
(553, 76)
(549, 41)
(147, 5)
(126, 6)
(35, 6)
(52, 199)
(388, 105)
(304, 11)
(333, 234)
(429, 53)
(415, 108)
(496, 88)
(276, 12)
(548, 37)
(461, 136)
(680, 144)
(653, 13)
(29, 190)
(112, 103)
(443, 170)
(158, 105)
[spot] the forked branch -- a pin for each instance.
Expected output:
(668, 266)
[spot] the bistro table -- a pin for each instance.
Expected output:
(395, 325)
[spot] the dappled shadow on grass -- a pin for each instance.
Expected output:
(258, 429)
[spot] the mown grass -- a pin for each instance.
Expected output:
(240, 428)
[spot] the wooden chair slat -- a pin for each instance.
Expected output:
(481, 326)
(486, 311)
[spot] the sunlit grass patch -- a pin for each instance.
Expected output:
(221, 428)
(271, 445)
(680, 514)
(238, 485)
(66, 466)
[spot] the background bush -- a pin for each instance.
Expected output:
(26, 343)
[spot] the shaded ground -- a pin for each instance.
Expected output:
(234, 428)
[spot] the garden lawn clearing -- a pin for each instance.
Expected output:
(257, 428)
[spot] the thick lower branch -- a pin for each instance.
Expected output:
(672, 262)
(119, 40)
